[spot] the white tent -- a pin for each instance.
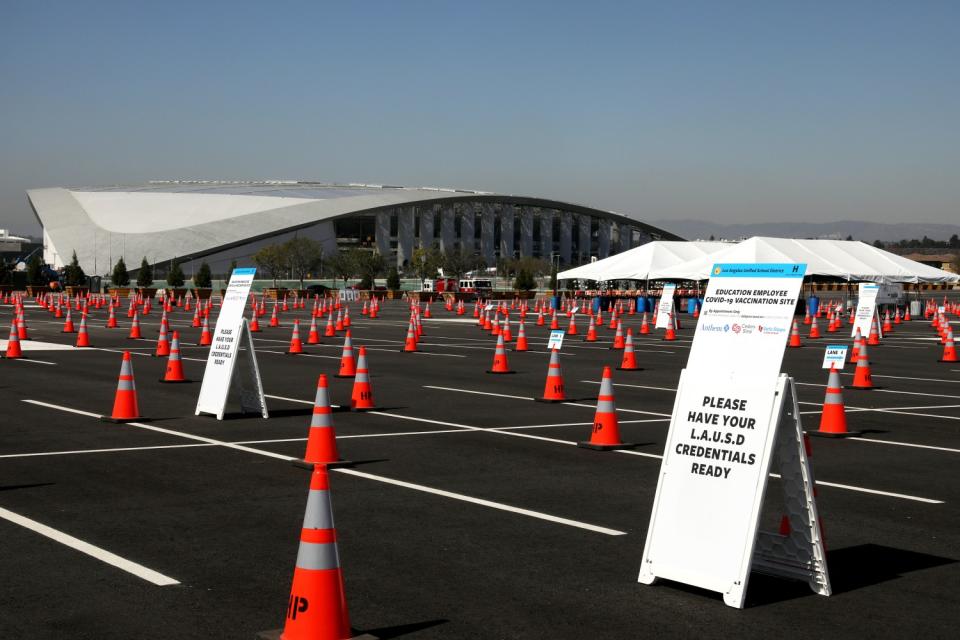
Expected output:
(636, 263)
(846, 260)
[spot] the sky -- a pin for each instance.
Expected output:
(733, 112)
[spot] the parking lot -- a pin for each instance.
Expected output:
(470, 512)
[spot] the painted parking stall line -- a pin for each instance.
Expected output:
(131, 567)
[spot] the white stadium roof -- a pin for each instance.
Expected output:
(184, 219)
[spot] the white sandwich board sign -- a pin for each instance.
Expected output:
(866, 309)
(731, 410)
(230, 368)
(665, 308)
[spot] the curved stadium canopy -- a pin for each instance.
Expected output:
(220, 221)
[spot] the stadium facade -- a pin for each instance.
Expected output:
(220, 222)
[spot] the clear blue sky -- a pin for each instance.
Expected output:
(724, 111)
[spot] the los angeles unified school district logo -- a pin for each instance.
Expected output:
(716, 271)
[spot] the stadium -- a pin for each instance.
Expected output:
(222, 222)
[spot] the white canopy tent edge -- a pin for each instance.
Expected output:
(848, 260)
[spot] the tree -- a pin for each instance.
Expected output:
(525, 281)
(368, 266)
(145, 275)
(393, 279)
(426, 261)
(273, 260)
(954, 241)
(73, 273)
(878, 244)
(35, 271)
(202, 279)
(457, 263)
(120, 277)
(849, 237)
(303, 256)
(175, 277)
(341, 264)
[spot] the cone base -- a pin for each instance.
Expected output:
(551, 400)
(630, 369)
(184, 381)
(274, 634)
(606, 447)
(303, 464)
(362, 409)
(500, 373)
(293, 353)
(123, 420)
(828, 434)
(948, 361)
(337, 375)
(850, 386)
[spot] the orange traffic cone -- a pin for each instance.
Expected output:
(296, 346)
(321, 439)
(554, 323)
(68, 323)
(606, 430)
(163, 345)
(591, 331)
(317, 607)
(205, 338)
(861, 375)
(274, 320)
(254, 324)
(874, 338)
(174, 372)
(348, 367)
(112, 319)
(814, 329)
(572, 327)
(410, 346)
(135, 327)
(644, 326)
(553, 390)
(125, 406)
(618, 341)
(670, 334)
(833, 420)
(83, 338)
(857, 341)
(313, 337)
(795, 336)
(13, 344)
(629, 362)
(330, 331)
(949, 349)
(500, 364)
(362, 397)
(521, 338)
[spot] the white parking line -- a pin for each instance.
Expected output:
(571, 404)
(486, 503)
(623, 451)
(93, 551)
(369, 476)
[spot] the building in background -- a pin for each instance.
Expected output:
(221, 222)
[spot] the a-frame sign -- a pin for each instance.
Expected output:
(232, 370)
(735, 420)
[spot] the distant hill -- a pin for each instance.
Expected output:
(865, 231)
